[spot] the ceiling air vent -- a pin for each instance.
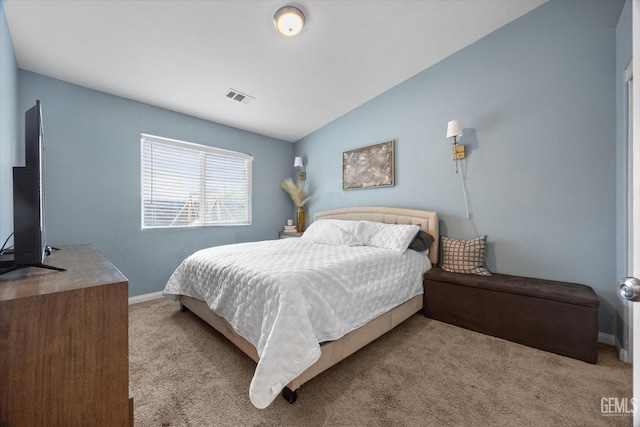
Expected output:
(239, 96)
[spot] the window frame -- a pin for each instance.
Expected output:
(203, 150)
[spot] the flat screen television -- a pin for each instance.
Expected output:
(29, 239)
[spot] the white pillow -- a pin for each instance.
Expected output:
(337, 232)
(366, 230)
(396, 237)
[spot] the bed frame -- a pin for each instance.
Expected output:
(334, 351)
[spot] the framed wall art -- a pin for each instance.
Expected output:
(368, 167)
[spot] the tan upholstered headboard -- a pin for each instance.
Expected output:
(428, 220)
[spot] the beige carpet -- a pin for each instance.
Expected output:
(423, 373)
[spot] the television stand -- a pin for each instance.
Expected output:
(64, 347)
(50, 267)
(7, 262)
(19, 266)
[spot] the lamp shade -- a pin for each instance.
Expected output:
(297, 163)
(289, 21)
(454, 129)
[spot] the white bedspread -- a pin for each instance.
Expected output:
(286, 296)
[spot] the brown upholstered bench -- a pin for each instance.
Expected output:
(554, 316)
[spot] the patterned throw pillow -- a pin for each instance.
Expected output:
(464, 256)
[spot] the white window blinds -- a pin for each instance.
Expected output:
(186, 184)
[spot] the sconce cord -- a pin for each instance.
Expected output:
(464, 191)
(466, 205)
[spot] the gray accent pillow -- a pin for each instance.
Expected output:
(421, 242)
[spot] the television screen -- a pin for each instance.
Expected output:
(30, 246)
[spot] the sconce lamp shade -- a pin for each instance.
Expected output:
(289, 21)
(454, 129)
(297, 163)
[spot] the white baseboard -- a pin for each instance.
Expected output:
(609, 339)
(146, 297)
(624, 355)
(613, 340)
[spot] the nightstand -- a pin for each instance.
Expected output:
(284, 235)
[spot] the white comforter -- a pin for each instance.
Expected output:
(286, 296)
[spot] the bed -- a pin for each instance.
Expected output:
(284, 331)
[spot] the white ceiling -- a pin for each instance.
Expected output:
(184, 55)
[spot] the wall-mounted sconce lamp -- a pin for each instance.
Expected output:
(297, 163)
(454, 131)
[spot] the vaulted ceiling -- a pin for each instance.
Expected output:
(185, 55)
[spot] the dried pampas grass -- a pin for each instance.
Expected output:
(296, 191)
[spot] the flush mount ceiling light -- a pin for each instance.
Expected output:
(289, 21)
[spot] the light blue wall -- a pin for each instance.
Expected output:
(537, 103)
(537, 99)
(8, 127)
(93, 178)
(623, 58)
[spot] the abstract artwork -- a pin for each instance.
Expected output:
(368, 167)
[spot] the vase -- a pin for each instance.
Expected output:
(300, 220)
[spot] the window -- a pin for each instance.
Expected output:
(186, 185)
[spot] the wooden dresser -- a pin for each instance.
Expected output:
(64, 343)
